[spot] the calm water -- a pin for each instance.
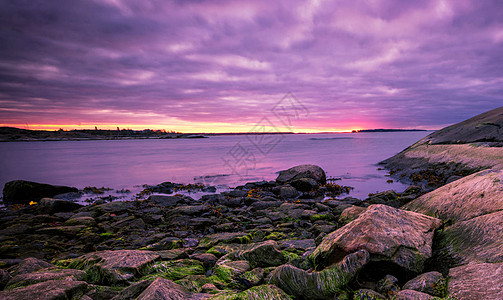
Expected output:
(219, 160)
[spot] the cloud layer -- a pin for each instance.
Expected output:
(222, 65)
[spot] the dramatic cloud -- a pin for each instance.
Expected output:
(223, 65)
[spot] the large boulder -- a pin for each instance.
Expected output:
(398, 241)
(472, 196)
(23, 192)
(48, 290)
(319, 285)
(477, 281)
(302, 171)
(113, 267)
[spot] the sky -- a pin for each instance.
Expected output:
(239, 66)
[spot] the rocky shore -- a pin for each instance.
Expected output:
(297, 237)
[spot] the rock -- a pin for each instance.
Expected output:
(4, 278)
(166, 243)
(52, 206)
(29, 265)
(264, 254)
(483, 127)
(207, 259)
(165, 201)
(388, 286)
(259, 205)
(22, 191)
(224, 237)
(226, 270)
(350, 214)
(175, 269)
(473, 241)
(366, 294)
(48, 290)
(319, 285)
(261, 292)
(112, 267)
(304, 184)
(190, 210)
(133, 291)
(477, 281)
(45, 275)
(400, 239)
(87, 221)
(432, 283)
(302, 171)
(162, 289)
(288, 192)
(115, 207)
(389, 198)
(302, 245)
(472, 196)
(412, 295)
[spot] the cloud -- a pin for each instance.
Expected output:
(194, 64)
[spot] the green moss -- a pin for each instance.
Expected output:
(106, 234)
(193, 283)
(276, 236)
(175, 270)
(255, 293)
(317, 217)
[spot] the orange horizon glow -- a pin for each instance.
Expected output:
(195, 128)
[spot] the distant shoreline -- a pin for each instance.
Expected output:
(12, 134)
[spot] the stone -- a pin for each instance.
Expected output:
(319, 285)
(48, 290)
(261, 292)
(302, 171)
(302, 245)
(165, 201)
(133, 291)
(87, 221)
(388, 286)
(412, 295)
(366, 294)
(351, 213)
(52, 206)
(477, 281)
(175, 269)
(113, 267)
(432, 283)
(45, 275)
(304, 184)
(467, 198)
(29, 265)
(400, 239)
(264, 254)
(22, 191)
(288, 192)
(224, 237)
(162, 289)
(190, 210)
(4, 278)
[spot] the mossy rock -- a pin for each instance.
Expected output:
(175, 269)
(255, 293)
(224, 238)
(193, 283)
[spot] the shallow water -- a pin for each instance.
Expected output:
(217, 160)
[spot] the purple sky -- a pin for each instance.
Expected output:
(222, 65)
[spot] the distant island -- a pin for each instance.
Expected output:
(386, 130)
(12, 134)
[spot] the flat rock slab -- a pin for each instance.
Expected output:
(472, 196)
(45, 275)
(390, 235)
(115, 266)
(477, 281)
(477, 240)
(48, 290)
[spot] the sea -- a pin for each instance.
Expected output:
(223, 161)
